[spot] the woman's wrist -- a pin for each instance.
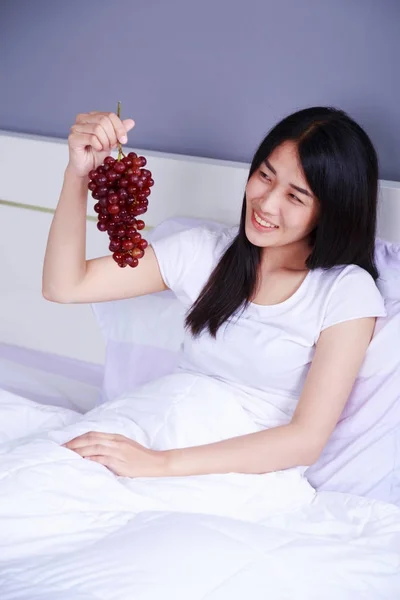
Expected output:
(72, 174)
(170, 462)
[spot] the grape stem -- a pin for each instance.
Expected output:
(120, 153)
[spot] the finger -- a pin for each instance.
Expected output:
(96, 450)
(121, 128)
(99, 124)
(77, 445)
(115, 128)
(91, 437)
(104, 123)
(97, 130)
(78, 140)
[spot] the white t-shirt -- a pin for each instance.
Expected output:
(268, 350)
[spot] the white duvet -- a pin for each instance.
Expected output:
(71, 530)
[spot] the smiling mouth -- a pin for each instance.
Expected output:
(263, 223)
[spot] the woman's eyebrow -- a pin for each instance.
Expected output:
(299, 189)
(296, 187)
(269, 166)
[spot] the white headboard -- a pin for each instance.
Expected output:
(31, 173)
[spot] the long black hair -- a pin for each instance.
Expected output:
(341, 167)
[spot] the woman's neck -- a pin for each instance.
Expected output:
(290, 257)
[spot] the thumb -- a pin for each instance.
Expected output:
(129, 124)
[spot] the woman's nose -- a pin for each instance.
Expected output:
(270, 203)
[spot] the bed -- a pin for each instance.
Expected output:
(109, 538)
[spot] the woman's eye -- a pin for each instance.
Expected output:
(296, 198)
(265, 176)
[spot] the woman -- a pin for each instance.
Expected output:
(280, 311)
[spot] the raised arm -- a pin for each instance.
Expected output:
(67, 276)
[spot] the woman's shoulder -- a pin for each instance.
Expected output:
(209, 239)
(347, 292)
(187, 256)
(345, 276)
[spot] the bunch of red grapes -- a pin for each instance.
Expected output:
(122, 187)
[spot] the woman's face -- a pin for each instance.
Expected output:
(280, 207)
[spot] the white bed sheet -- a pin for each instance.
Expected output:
(71, 530)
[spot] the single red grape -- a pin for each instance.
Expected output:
(112, 176)
(102, 191)
(140, 210)
(101, 179)
(143, 244)
(113, 197)
(138, 252)
(136, 238)
(130, 232)
(119, 167)
(127, 245)
(114, 246)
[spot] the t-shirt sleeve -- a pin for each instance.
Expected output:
(354, 295)
(183, 259)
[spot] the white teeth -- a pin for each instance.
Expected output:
(264, 223)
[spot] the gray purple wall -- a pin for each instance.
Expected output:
(206, 78)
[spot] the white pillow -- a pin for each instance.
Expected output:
(143, 335)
